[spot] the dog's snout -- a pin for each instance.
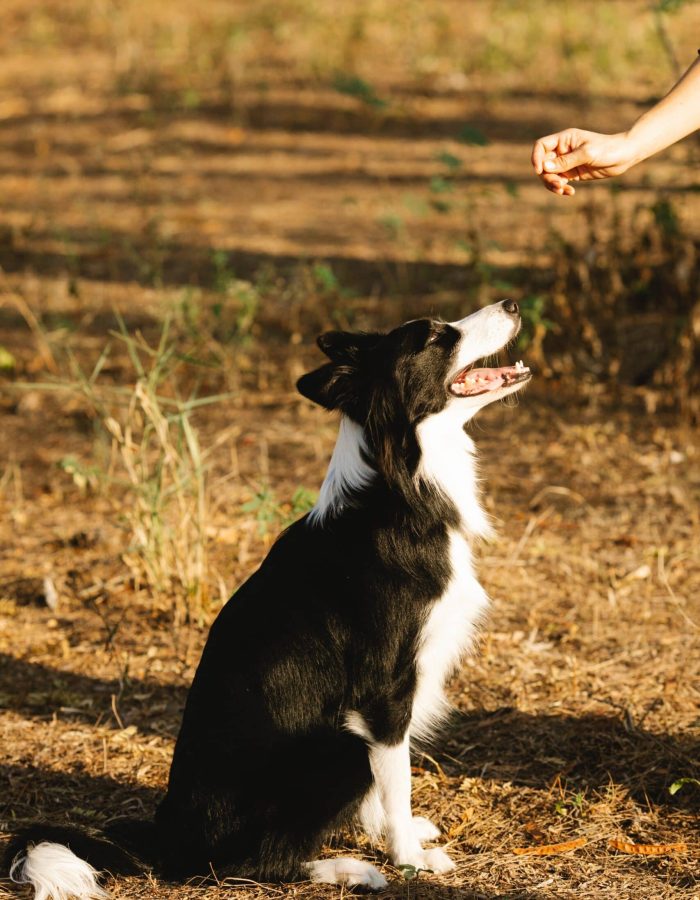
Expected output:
(510, 306)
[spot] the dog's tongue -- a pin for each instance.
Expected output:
(478, 381)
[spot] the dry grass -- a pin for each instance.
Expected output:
(206, 167)
(576, 716)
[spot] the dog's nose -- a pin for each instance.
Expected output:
(511, 307)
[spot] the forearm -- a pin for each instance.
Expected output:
(672, 119)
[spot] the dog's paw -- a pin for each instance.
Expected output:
(438, 861)
(424, 829)
(435, 860)
(347, 871)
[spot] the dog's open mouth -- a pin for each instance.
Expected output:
(471, 382)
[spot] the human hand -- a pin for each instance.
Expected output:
(575, 155)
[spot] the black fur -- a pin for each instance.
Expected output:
(263, 767)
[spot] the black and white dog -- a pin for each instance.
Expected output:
(333, 656)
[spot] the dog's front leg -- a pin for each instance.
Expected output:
(391, 768)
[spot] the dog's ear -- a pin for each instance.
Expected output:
(336, 344)
(346, 346)
(338, 384)
(318, 385)
(334, 387)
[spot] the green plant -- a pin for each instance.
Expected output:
(570, 806)
(393, 225)
(7, 360)
(681, 783)
(82, 476)
(535, 322)
(271, 515)
(411, 874)
(155, 457)
(265, 509)
(325, 278)
(442, 185)
(354, 86)
(234, 315)
(302, 501)
(469, 134)
(223, 273)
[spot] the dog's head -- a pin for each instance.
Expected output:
(389, 383)
(419, 368)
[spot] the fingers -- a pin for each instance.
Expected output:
(567, 161)
(557, 184)
(556, 158)
(543, 149)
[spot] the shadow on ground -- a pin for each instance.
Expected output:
(587, 751)
(37, 691)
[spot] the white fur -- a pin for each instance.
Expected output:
(347, 472)
(425, 829)
(371, 815)
(56, 873)
(355, 722)
(373, 820)
(348, 871)
(448, 463)
(391, 769)
(447, 635)
(392, 776)
(484, 333)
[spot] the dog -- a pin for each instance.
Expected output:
(332, 658)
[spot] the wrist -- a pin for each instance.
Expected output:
(644, 139)
(634, 147)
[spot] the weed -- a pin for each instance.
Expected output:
(411, 874)
(634, 314)
(7, 360)
(681, 783)
(82, 476)
(354, 86)
(535, 323)
(271, 515)
(393, 225)
(263, 506)
(235, 313)
(469, 134)
(570, 806)
(155, 456)
(325, 278)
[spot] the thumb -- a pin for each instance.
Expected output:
(565, 162)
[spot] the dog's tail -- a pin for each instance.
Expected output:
(64, 862)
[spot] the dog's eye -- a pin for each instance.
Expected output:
(436, 333)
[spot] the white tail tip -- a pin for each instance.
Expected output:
(56, 873)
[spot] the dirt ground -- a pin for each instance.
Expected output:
(580, 706)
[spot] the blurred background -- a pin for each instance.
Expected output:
(371, 158)
(191, 192)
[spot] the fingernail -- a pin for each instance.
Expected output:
(550, 165)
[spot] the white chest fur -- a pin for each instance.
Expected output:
(448, 463)
(447, 635)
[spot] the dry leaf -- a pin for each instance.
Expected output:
(647, 849)
(551, 849)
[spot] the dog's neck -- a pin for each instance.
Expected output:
(447, 464)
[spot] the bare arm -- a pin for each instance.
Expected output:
(576, 155)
